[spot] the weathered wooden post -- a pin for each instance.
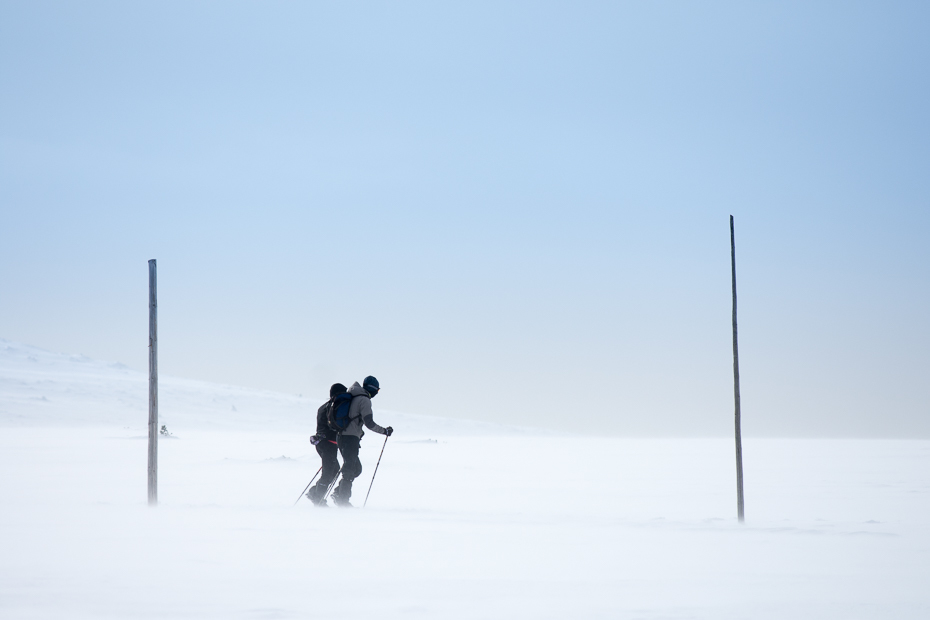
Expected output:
(739, 440)
(153, 387)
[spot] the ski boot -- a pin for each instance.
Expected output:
(316, 496)
(340, 501)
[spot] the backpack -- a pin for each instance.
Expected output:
(338, 415)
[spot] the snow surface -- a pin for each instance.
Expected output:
(465, 520)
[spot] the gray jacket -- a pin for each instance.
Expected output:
(360, 413)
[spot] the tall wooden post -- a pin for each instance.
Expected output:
(153, 387)
(739, 440)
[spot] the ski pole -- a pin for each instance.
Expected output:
(308, 485)
(376, 470)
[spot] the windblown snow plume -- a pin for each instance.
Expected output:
(41, 388)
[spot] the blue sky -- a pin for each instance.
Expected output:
(513, 211)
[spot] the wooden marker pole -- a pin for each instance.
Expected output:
(739, 440)
(153, 387)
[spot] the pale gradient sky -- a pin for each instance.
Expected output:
(505, 211)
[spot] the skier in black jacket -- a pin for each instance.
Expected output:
(325, 441)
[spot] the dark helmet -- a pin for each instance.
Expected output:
(371, 385)
(336, 389)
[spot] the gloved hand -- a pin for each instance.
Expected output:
(315, 440)
(389, 431)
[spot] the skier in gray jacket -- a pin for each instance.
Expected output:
(349, 439)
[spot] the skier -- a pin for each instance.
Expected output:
(349, 439)
(325, 442)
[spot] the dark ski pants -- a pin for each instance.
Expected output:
(351, 467)
(327, 451)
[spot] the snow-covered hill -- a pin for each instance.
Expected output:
(42, 388)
